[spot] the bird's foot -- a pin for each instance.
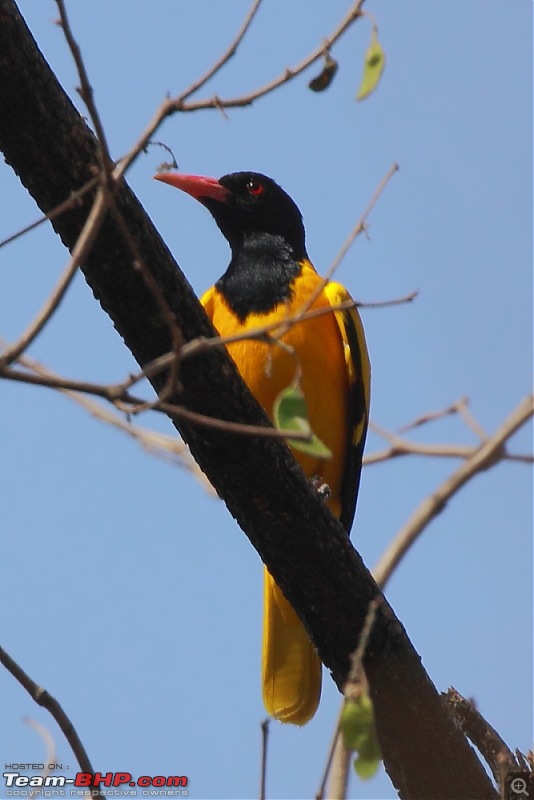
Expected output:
(321, 487)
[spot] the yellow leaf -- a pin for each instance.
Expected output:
(375, 60)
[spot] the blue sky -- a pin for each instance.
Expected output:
(128, 591)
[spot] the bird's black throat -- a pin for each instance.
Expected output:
(260, 275)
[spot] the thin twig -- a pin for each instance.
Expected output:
(86, 91)
(497, 754)
(202, 344)
(163, 445)
(79, 254)
(338, 756)
(395, 301)
(319, 795)
(470, 421)
(356, 658)
(339, 773)
(50, 756)
(489, 452)
(435, 451)
(170, 106)
(273, 329)
(361, 224)
(287, 75)
(432, 416)
(356, 231)
(131, 405)
(226, 56)
(404, 447)
(460, 407)
(240, 428)
(151, 283)
(45, 699)
(111, 182)
(65, 205)
(264, 749)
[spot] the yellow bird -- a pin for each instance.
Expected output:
(270, 279)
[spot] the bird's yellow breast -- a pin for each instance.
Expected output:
(312, 348)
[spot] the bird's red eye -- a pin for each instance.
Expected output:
(255, 187)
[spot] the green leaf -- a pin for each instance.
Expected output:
(326, 76)
(291, 414)
(366, 767)
(375, 60)
(359, 735)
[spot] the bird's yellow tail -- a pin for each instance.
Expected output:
(291, 668)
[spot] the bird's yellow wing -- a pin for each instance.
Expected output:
(359, 375)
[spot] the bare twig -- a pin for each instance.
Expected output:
(163, 445)
(110, 182)
(431, 416)
(356, 231)
(45, 699)
(174, 329)
(319, 795)
(497, 754)
(50, 756)
(287, 75)
(86, 91)
(488, 453)
(226, 56)
(73, 199)
(337, 763)
(356, 658)
(395, 301)
(339, 773)
(168, 106)
(173, 105)
(470, 421)
(79, 254)
(39, 321)
(360, 225)
(274, 330)
(400, 446)
(460, 407)
(131, 405)
(264, 749)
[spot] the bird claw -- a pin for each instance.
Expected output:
(322, 488)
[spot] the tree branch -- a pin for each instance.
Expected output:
(497, 754)
(45, 699)
(182, 102)
(48, 145)
(492, 449)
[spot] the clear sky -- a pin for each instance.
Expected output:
(127, 590)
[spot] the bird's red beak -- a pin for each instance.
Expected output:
(195, 185)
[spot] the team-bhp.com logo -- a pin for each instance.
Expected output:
(113, 784)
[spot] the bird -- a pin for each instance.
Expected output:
(269, 280)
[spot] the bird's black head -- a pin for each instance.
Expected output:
(256, 205)
(264, 229)
(246, 205)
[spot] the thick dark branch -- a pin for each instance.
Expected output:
(47, 143)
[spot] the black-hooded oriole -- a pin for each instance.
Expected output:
(270, 279)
